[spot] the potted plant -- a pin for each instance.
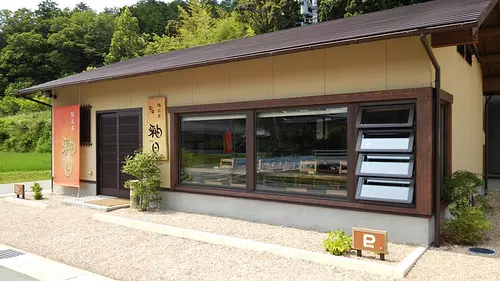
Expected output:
(144, 167)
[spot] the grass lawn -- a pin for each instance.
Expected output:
(12, 177)
(18, 167)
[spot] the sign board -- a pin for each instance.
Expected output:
(19, 190)
(67, 145)
(369, 240)
(157, 129)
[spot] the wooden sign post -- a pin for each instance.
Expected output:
(370, 240)
(19, 190)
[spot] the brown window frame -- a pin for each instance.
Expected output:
(421, 97)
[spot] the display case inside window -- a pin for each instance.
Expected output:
(213, 150)
(302, 151)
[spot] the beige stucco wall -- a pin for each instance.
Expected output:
(464, 82)
(382, 65)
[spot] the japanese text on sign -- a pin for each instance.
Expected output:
(157, 126)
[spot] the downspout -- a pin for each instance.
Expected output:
(485, 148)
(437, 148)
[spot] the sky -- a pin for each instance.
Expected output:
(97, 5)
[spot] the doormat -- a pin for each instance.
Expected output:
(99, 203)
(111, 202)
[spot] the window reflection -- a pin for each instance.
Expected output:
(302, 151)
(213, 150)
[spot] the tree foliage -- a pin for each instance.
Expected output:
(269, 15)
(197, 27)
(51, 42)
(127, 42)
(335, 9)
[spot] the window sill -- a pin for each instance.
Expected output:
(395, 209)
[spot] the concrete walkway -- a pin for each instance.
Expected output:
(23, 266)
(7, 188)
(11, 275)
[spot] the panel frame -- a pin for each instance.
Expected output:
(407, 201)
(409, 123)
(408, 175)
(411, 142)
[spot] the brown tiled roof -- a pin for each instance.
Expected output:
(426, 17)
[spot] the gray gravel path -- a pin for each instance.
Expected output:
(286, 236)
(69, 235)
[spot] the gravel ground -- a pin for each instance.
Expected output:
(285, 236)
(69, 235)
(455, 263)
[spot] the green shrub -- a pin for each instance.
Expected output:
(25, 132)
(145, 168)
(37, 190)
(468, 208)
(337, 243)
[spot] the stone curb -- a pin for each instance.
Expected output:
(24, 202)
(398, 271)
(27, 193)
(44, 269)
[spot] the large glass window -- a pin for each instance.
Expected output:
(213, 150)
(302, 151)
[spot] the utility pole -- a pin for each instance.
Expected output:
(309, 17)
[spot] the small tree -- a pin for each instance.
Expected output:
(145, 168)
(126, 43)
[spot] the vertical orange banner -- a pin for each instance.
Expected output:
(67, 145)
(157, 129)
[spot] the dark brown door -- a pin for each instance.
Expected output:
(118, 135)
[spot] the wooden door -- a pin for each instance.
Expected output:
(118, 135)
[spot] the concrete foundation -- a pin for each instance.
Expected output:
(401, 229)
(86, 189)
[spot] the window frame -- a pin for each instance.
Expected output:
(295, 108)
(411, 141)
(421, 97)
(408, 175)
(86, 125)
(178, 141)
(409, 200)
(409, 123)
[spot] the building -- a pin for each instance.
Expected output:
(352, 122)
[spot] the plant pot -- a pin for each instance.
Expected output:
(134, 200)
